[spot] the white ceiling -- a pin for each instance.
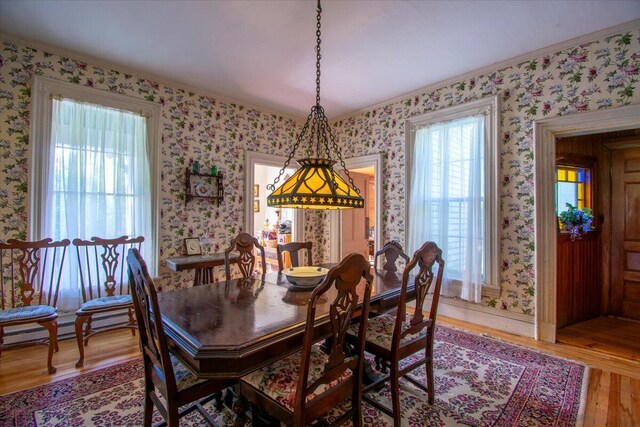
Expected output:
(261, 53)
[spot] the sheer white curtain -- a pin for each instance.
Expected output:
(446, 200)
(97, 183)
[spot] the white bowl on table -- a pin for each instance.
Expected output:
(305, 277)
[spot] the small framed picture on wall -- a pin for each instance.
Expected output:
(192, 246)
(256, 205)
(256, 190)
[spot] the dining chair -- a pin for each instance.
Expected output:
(244, 244)
(394, 337)
(391, 250)
(293, 249)
(304, 385)
(29, 285)
(104, 284)
(169, 384)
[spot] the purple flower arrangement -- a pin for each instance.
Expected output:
(576, 221)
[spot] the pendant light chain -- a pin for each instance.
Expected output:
(318, 55)
(317, 132)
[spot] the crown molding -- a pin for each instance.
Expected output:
(123, 68)
(586, 38)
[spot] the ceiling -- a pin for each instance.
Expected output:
(261, 53)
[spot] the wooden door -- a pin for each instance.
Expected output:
(625, 233)
(355, 236)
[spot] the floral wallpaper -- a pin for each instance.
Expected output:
(194, 127)
(596, 75)
(591, 76)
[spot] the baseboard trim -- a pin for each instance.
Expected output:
(66, 327)
(502, 320)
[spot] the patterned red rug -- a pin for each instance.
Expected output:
(480, 381)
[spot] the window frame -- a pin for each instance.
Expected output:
(43, 90)
(490, 108)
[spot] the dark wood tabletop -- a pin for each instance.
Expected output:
(230, 328)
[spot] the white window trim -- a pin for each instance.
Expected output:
(489, 106)
(43, 90)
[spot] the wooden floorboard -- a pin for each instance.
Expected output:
(617, 337)
(612, 398)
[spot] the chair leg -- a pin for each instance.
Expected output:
(87, 330)
(52, 327)
(430, 381)
(1, 339)
(80, 339)
(148, 408)
(356, 404)
(173, 415)
(132, 322)
(395, 395)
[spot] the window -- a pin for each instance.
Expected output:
(573, 186)
(93, 171)
(452, 193)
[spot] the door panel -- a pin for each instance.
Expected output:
(625, 212)
(354, 222)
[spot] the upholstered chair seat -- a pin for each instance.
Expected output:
(106, 303)
(27, 314)
(280, 379)
(184, 378)
(380, 331)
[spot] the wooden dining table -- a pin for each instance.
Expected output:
(230, 328)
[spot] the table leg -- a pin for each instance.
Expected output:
(197, 278)
(240, 408)
(207, 275)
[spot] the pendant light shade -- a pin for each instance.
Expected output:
(316, 185)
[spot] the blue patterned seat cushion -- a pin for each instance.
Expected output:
(280, 379)
(184, 377)
(26, 313)
(106, 302)
(380, 330)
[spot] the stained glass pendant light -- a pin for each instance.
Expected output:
(316, 185)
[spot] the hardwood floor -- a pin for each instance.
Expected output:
(609, 335)
(613, 394)
(26, 367)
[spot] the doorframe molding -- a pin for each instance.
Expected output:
(253, 158)
(335, 228)
(545, 132)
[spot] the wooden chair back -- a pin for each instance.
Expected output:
(31, 272)
(294, 249)
(244, 244)
(153, 341)
(425, 279)
(344, 279)
(101, 264)
(392, 251)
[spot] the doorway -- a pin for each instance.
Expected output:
(358, 235)
(360, 230)
(546, 132)
(271, 226)
(599, 274)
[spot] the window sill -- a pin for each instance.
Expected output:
(488, 291)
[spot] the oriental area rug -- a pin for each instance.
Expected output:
(480, 381)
